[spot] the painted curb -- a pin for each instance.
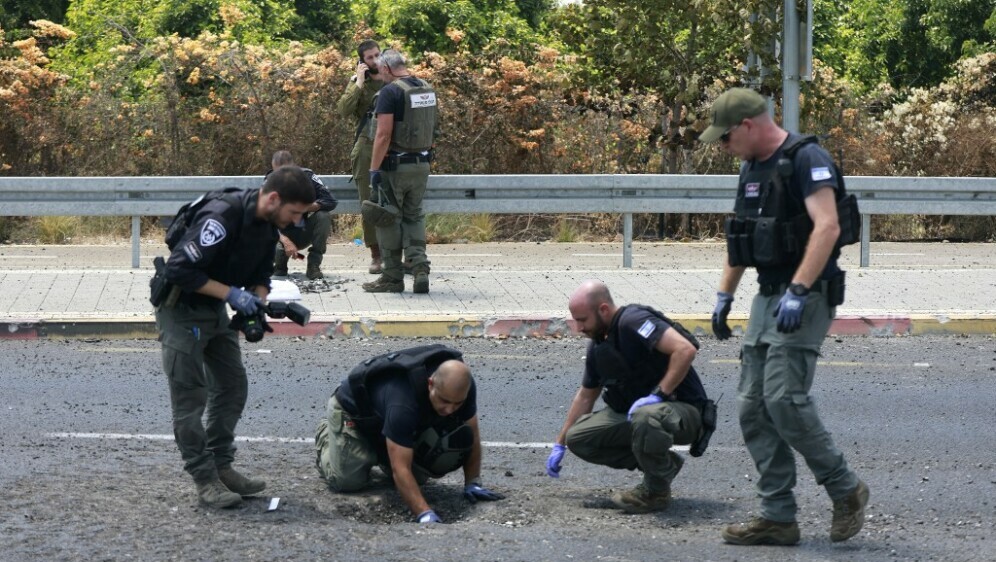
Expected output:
(501, 328)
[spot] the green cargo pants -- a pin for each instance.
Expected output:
(405, 188)
(605, 437)
(345, 456)
(360, 157)
(777, 414)
(203, 364)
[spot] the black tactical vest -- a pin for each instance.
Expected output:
(417, 363)
(626, 381)
(771, 226)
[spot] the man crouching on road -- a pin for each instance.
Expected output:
(414, 413)
(654, 396)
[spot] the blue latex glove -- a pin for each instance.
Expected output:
(474, 492)
(789, 312)
(719, 314)
(375, 179)
(553, 463)
(428, 516)
(243, 301)
(645, 401)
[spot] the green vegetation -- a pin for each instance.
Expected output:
(212, 87)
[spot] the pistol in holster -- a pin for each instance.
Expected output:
(162, 292)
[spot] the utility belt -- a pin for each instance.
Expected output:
(832, 288)
(393, 159)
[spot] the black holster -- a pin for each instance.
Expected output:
(159, 287)
(835, 290)
(709, 416)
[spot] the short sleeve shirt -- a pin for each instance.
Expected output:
(391, 99)
(406, 411)
(812, 169)
(639, 331)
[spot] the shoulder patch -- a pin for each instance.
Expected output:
(647, 328)
(212, 232)
(820, 174)
(192, 251)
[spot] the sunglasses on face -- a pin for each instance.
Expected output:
(725, 137)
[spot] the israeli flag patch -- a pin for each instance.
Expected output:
(752, 190)
(211, 233)
(820, 174)
(646, 329)
(192, 251)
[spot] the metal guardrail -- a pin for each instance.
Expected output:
(625, 194)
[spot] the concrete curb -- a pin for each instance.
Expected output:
(460, 327)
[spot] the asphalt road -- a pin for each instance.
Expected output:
(914, 417)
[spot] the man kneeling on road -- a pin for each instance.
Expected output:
(412, 412)
(654, 396)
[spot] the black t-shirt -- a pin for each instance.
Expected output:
(391, 98)
(406, 412)
(812, 168)
(638, 333)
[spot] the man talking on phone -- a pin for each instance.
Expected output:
(357, 102)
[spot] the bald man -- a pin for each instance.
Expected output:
(643, 361)
(412, 412)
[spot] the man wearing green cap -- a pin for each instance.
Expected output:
(786, 226)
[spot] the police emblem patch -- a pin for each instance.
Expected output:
(211, 233)
(819, 174)
(752, 190)
(646, 329)
(192, 251)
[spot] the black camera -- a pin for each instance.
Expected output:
(256, 325)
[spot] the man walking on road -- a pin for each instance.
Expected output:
(356, 102)
(654, 396)
(225, 254)
(412, 412)
(787, 226)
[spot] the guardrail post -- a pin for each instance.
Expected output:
(866, 226)
(627, 240)
(136, 240)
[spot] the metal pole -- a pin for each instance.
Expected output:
(790, 67)
(628, 240)
(866, 227)
(136, 240)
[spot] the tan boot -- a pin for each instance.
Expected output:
(239, 483)
(849, 513)
(642, 500)
(213, 493)
(762, 531)
(384, 285)
(376, 268)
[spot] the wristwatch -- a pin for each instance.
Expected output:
(660, 394)
(798, 289)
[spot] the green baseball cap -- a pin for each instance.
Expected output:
(730, 108)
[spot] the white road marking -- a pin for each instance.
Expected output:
(263, 439)
(604, 255)
(436, 256)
